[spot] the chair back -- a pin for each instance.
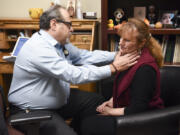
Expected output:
(170, 85)
(2, 101)
(3, 126)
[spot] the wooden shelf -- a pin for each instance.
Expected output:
(111, 31)
(108, 7)
(165, 31)
(11, 40)
(172, 64)
(154, 31)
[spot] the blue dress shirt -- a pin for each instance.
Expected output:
(43, 74)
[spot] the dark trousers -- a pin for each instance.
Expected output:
(80, 105)
(3, 128)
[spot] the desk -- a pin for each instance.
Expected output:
(6, 70)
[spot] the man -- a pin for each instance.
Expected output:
(45, 67)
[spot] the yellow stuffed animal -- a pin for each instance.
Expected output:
(110, 23)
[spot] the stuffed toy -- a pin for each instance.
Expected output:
(110, 23)
(119, 16)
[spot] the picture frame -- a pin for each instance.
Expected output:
(166, 16)
(71, 8)
(140, 12)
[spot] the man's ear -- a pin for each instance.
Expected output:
(53, 24)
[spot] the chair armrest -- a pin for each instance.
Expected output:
(157, 122)
(31, 117)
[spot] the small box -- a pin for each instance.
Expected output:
(90, 15)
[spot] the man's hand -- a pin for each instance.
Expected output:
(122, 63)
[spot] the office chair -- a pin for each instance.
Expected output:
(28, 121)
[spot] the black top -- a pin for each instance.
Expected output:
(141, 90)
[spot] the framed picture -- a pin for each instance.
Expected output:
(71, 7)
(140, 12)
(165, 17)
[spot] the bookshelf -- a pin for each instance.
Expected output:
(108, 7)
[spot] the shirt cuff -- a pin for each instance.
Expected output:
(105, 71)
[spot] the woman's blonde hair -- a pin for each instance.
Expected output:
(144, 35)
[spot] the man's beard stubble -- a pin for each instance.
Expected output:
(66, 41)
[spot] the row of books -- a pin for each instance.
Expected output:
(170, 47)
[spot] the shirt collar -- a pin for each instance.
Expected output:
(48, 38)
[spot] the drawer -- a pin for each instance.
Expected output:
(6, 68)
(3, 45)
(81, 38)
(82, 46)
(1, 36)
(82, 25)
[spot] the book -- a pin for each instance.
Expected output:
(164, 44)
(176, 58)
(172, 44)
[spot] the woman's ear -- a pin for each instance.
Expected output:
(142, 44)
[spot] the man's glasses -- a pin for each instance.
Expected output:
(68, 24)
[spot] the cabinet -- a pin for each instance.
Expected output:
(84, 33)
(10, 28)
(82, 37)
(109, 6)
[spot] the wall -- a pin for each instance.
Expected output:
(19, 8)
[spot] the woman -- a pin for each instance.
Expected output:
(136, 89)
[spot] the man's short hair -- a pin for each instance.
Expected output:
(52, 13)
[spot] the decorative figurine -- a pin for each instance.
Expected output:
(118, 26)
(146, 21)
(176, 20)
(110, 23)
(71, 8)
(119, 16)
(152, 15)
(158, 25)
(55, 2)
